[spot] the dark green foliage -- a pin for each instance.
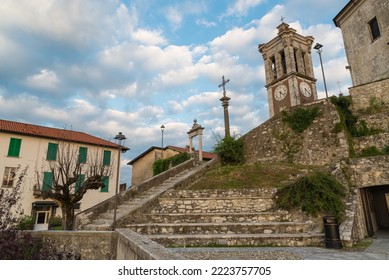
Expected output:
(55, 223)
(301, 118)
(317, 193)
(370, 151)
(161, 165)
(26, 223)
(350, 122)
(374, 151)
(230, 150)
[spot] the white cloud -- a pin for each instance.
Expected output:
(206, 23)
(174, 16)
(149, 37)
(45, 79)
(241, 7)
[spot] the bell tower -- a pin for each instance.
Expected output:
(288, 67)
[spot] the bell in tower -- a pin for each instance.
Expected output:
(289, 73)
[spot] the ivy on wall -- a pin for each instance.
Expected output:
(161, 165)
(301, 118)
(349, 122)
(295, 122)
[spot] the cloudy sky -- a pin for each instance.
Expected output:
(119, 65)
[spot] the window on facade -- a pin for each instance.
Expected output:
(52, 149)
(374, 28)
(295, 59)
(273, 67)
(107, 158)
(82, 154)
(80, 181)
(14, 147)
(47, 184)
(8, 177)
(283, 62)
(106, 184)
(303, 66)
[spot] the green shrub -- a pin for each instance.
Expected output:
(26, 223)
(301, 118)
(370, 151)
(317, 193)
(229, 150)
(161, 165)
(55, 223)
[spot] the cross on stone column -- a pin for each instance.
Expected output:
(224, 101)
(223, 84)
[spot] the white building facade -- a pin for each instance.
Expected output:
(33, 147)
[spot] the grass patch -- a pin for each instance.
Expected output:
(248, 176)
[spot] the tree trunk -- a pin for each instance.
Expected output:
(67, 216)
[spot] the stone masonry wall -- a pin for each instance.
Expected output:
(363, 95)
(89, 245)
(211, 201)
(317, 145)
(369, 171)
(380, 141)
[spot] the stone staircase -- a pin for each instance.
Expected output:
(167, 211)
(180, 218)
(101, 216)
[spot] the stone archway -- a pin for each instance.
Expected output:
(196, 130)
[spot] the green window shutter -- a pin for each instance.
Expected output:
(52, 151)
(14, 147)
(47, 181)
(80, 181)
(82, 154)
(106, 183)
(107, 158)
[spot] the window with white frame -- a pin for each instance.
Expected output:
(8, 177)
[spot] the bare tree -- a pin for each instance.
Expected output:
(10, 208)
(72, 177)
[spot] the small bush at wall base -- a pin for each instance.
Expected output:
(230, 150)
(161, 165)
(316, 193)
(26, 223)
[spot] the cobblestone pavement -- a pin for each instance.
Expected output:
(378, 250)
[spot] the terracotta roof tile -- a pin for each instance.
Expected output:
(53, 133)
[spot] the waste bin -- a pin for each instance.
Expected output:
(331, 230)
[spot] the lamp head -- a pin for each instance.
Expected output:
(318, 46)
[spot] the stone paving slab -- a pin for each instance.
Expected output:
(378, 250)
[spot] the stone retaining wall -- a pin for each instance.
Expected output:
(379, 140)
(122, 244)
(369, 171)
(89, 245)
(319, 144)
(215, 201)
(363, 95)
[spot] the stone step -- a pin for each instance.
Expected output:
(219, 228)
(213, 205)
(217, 217)
(279, 240)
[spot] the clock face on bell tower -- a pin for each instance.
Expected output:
(289, 73)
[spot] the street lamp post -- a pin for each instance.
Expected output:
(318, 47)
(162, 130)
(120, 138)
